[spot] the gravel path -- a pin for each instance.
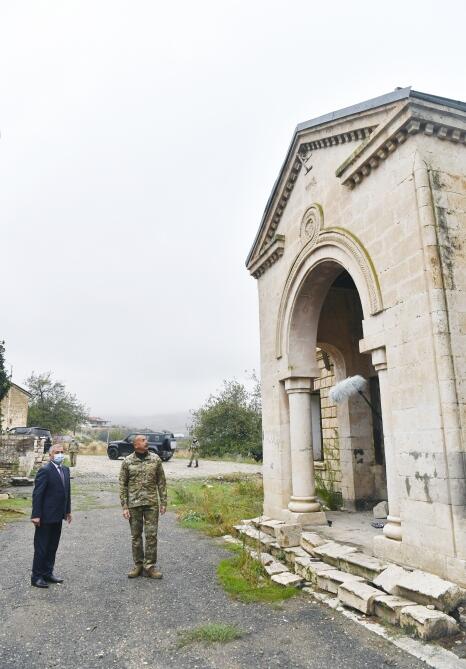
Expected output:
(174, 468)
(99, 618)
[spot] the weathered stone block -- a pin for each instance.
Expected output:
(358, 595)
(332, 551)
(287, 579)
(389, 578)
(269, 526)
(380, 510)
(293, 552)
(275, 567)
(388, 607)
(288, 535)
(227, 538)
(263, 558)
(309, 568)
(363, 565)
(426, 623)
(425, 588)
(331, 580)
(310, 540)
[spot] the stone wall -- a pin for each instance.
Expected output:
(329, 469)
(18, 456)
(14, 408)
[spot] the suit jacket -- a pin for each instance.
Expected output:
(51, 500)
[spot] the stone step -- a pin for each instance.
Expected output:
(309, 568)
(257, 522)
(254, 537)
(288, 535)
(292, 553)
(389, 577)
(275, 567)
(425, 588)
(287, 579)
(263, 558)
(228, 539)
(268, 526)
(363, 565)
(331, 580)
(310, 540)
(427, 623)
(388, 608)
(358, 595)
(332, 552)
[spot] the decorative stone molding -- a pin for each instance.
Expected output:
(268, 257)
(302, 154)
(352, 246)
(446, 129)
(312, 223)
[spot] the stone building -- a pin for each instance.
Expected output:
(360, 263)
(14, 407)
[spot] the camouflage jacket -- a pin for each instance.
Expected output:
(73, 447)
(142, 482)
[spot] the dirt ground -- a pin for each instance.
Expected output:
(100, 618)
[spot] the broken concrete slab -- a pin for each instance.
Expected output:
(332, 551)
(288, 534)
(310, 540)
(380, 510)
(275, 567)
(292, 553)
(424, 588)
(363, 565)
(388, 608)
(331, 580)
(309, 568)
(358, 595)
(389, 577)
(287, 579)
(427, 623)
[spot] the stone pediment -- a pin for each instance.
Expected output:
(371, 141)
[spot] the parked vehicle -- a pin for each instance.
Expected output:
(162, 444)
(40, 432)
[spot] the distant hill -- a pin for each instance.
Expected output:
(176, 422)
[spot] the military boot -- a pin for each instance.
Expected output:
(135, 571)
(152, 573)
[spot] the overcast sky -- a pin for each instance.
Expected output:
(139, 143)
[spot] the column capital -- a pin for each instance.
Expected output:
(299, 384)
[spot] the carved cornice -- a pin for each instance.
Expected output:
(302, 154)
(408, 121)
(271, 253)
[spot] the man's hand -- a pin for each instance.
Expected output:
(126, 514)
(162, 510)
(68, 518)
(36, 521)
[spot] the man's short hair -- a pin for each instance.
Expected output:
(54, 447)
(139, 436)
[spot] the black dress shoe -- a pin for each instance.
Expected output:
(39, 583)
(53, 579)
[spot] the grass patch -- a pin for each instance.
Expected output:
(210, 633)
(17, 508)
(245, 579)
(215, 505)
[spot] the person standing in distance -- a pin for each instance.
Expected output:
(51, 504)
(73, 450)
(194, 450)
(142, 484)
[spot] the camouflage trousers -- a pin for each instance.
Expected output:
(144, 519)
(73, 459)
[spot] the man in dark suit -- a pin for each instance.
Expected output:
(51, 504)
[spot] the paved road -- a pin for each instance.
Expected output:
(100, 619)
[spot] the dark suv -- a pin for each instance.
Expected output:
(40, 432)
(161, 443)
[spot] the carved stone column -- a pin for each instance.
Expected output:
(392, 529)
(303, 506)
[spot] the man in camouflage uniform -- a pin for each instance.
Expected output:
(142, 483)
(194, 450)
(73, 450)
